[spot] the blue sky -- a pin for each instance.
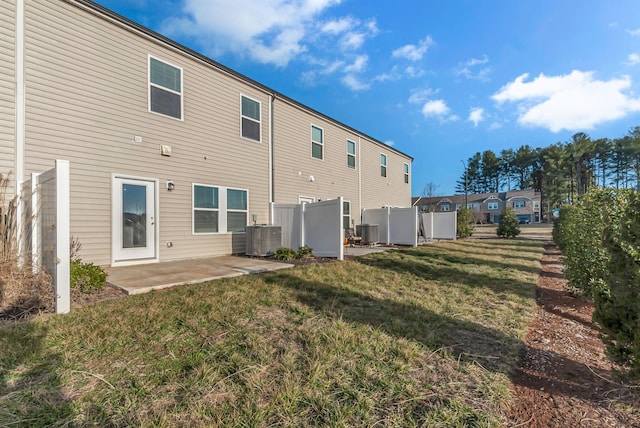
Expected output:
(438, 80)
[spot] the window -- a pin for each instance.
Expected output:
(250, 119)
(406, 173)
(444, 207)
(165, 89)
(470, 206)
(458, 206)
(236, 210)
(536, 204)
(317, 142)
(351, 154)
(346, 214)
(518, 204)
(492, 205)
(383, 165)
(218, 209)
(205, 209)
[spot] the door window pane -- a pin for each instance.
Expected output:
(134, 216)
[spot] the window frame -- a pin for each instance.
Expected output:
(163, 88)
(444, 208)
(492, 207)
(524, 204)
(321, 143)
(383, 166)
(536, 204)
(346, 216)
(242, 116)
(223, 209)
(236, 210)
(470, 206)
(406, 173)
(352, 155)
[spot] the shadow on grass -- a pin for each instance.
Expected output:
(419, 264)
(481, 252)
(468, 341)
(30, 391)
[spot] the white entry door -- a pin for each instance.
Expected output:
(134, 219)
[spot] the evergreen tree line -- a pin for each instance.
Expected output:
(561, 172)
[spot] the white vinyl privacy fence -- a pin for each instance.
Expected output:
(45, 217)
(395, 225)
(435, 226)
(317, 225)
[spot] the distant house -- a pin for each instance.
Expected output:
(487, 207)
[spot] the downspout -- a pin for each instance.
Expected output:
(272, 174)
(270, 160)
(360, 178)
(19, 97)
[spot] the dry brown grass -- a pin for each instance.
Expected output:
(23, 292)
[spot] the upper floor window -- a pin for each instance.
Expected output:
(444, 207)
(165, 88)
(317, 142)
(469, 206)
(351, 154)
(250, 119)
(383, 165)
(536, 204)
(492, 205)
(406, 173)
(518, 204)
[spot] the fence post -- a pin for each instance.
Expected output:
(63, 289)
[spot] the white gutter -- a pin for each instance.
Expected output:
(271, 173)
(359, 166)
(20, 96)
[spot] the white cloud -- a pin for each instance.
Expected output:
(574, 101)
(394, 74)
(419, 96)
(359, 64)
(635, 33)
(439, 110)
(413, 52)
(338, 26)
(633, 59)
(269, 31)
(390, 143)
(352, 82)
(352, 40)
(476, 116)
(471, 69)
(414, 72)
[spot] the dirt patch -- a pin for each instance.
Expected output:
(108, 292)
(564, 378)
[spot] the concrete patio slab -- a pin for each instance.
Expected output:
(140, 279)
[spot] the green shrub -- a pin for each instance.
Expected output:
(465, 222)
(305, 251)
(508, 226)
(284, 253)
(87, 277)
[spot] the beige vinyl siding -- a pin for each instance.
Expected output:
(294, 164)
(378, 191)
(7, 89)
(87, 97)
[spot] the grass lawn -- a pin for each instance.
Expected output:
(418, 337)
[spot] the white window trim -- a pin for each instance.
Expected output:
(250, 118)
(149, 85)
(355, 150)
(444, 207)
(490, 204)
(406, 173)
(222, 209)
(386, 168)
(524, 204)
(321, 144)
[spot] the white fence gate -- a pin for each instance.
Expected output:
(395, 225)
(45, 216)
(439, 225)
(317, 225)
